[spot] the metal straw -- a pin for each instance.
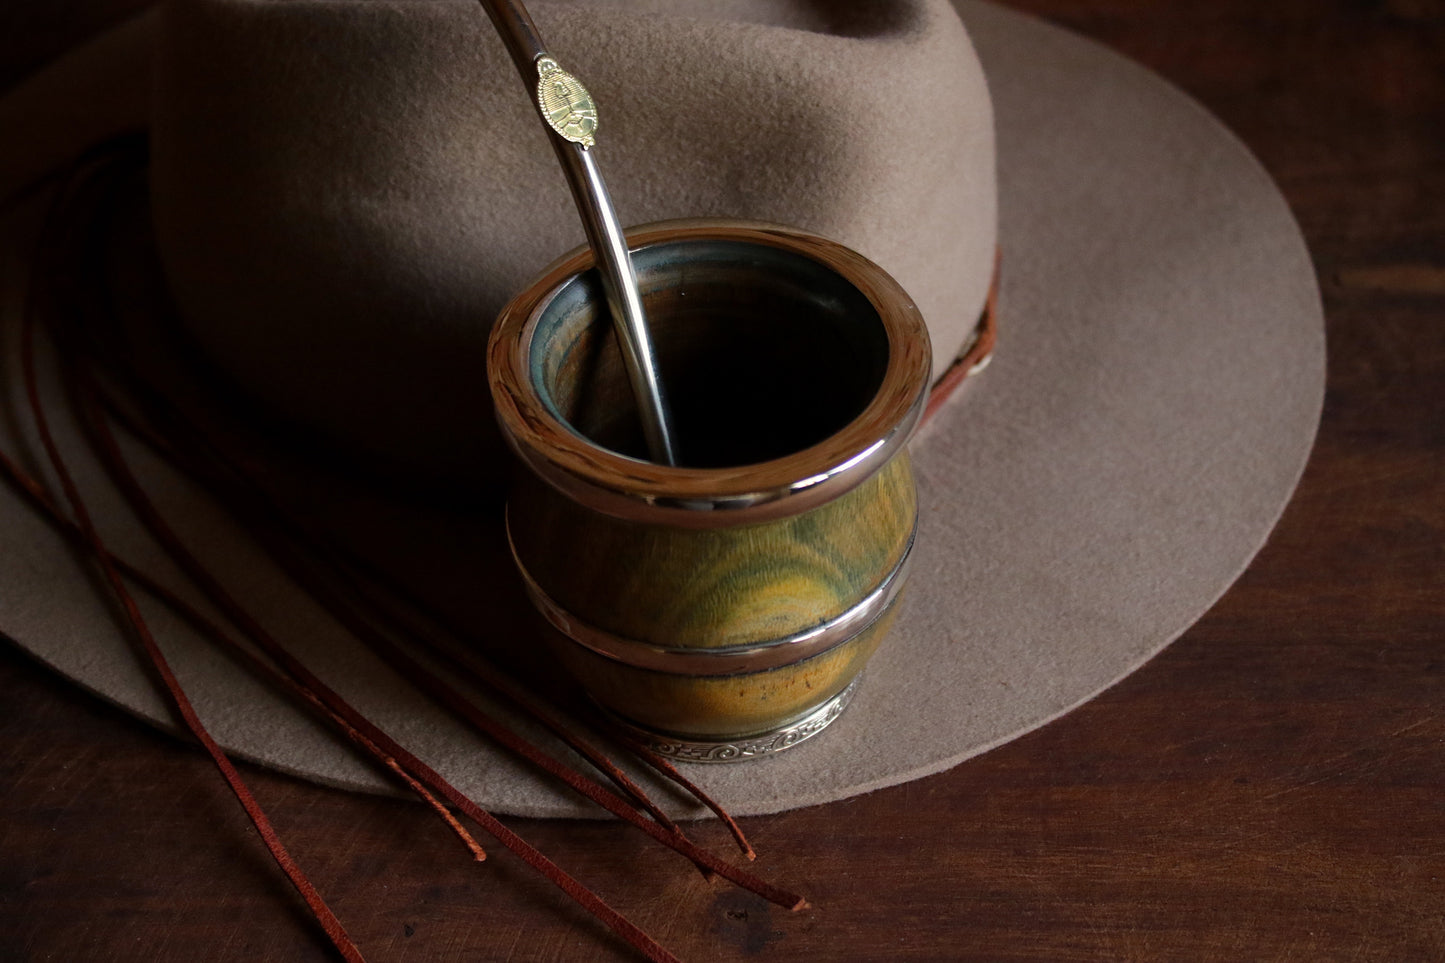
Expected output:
(568, 112)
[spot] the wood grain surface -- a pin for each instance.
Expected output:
(1271, 787)
(716, 587)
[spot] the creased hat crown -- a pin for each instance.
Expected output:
(345, 194)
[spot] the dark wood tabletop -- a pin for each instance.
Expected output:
(1270, 787)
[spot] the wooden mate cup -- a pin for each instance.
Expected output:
(721, 608)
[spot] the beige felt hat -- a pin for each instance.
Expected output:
(343, 194)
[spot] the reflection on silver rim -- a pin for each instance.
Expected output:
(730, 660)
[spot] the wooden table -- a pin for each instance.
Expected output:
(1271, 787)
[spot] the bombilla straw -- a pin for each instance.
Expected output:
(571, 117)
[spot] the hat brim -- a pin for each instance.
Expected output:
(1148, 412)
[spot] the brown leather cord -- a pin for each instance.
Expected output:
(343, 609)
(425, 680)
(670, 771)
(448, 696)
(141, 504)
(40, 499)
(32, 488)
(351, 571)
(322, 912)
(94, 416)
(479, 671)
(978, 354)
(365, 584)
(389, 762)
(614, 803)
(476, 671)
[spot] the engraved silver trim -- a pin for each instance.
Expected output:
(679, 749)
(727, 660)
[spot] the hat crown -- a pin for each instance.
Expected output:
(345, 194)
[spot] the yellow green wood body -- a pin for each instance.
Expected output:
(716, 587)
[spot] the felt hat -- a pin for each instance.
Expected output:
(342, 194)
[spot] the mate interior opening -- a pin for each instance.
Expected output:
(761, 352)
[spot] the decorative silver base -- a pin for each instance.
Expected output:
(767, 743)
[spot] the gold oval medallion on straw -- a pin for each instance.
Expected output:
(566, 105)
